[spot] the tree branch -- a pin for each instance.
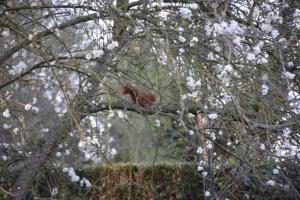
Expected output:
(7, 54)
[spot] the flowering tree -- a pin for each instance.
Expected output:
(225, 75)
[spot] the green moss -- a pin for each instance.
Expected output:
(144, 181)
(139, 181)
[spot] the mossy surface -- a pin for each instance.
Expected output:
(163, 181)
(141, 181)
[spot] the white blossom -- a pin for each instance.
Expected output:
(209, 145)
(275, 171)
(191, 132)
(27, 106)
(180, 30)
(199, 168)
(183, 97)
(289, 75)
(191, 115)
(266, 27)
(228, 68)
(282, 41)
(34, 100)
(4, 158)
(286, 132)
(208, 29)
(15, 131)
(262, 146)
(86, 182)
(58, 154)
(5, 32)
(30, 37)
(199, 150)
(262, 60)
(88, 56)
(6, 113)
(212, 135)
(93, 121)
(5, 145)
(190, 81)
(274, 33)
(157, 123)
(185, 13)
(234, 28)
(54, 192)
(257, 47)
(67, 152)
(193, 41)
(194, 6)
(210, 56)
(219, 28)
(111, 114)
(6, 126)
(75, 178)
(256, 12)
(113, 151)
(251, 56)
(212, 116)
(264, 89)
(18, 68)
(81, 183)
(97, 53)
(44, 130)
(35, 109)
(181, 38)
(112, 45)
(207, 193)
(237, 41)
(270, 183)
(72, 174)
(297, 13)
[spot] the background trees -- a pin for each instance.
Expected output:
(225, 73)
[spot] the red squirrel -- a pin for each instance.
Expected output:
(144, 99)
